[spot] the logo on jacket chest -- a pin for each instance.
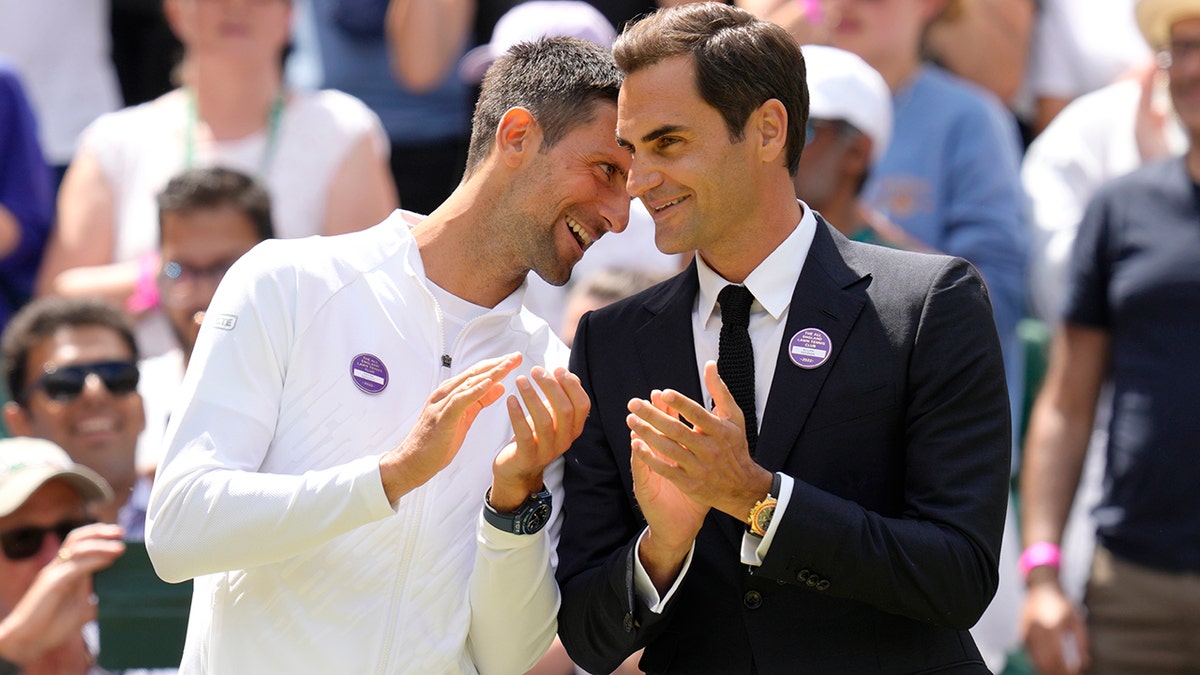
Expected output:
(368, 373)
(810, 348)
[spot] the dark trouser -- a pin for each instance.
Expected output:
(1142, 621)
(426, 174)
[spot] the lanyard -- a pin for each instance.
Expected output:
(189, 147)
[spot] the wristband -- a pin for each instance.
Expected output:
(1043, 553)
(145, 291)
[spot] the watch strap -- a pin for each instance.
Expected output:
(523, 520)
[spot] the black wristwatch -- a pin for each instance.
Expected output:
(8, 667)
(529, 518)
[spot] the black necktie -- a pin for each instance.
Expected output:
(735, 355)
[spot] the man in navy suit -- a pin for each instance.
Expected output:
(857, 527)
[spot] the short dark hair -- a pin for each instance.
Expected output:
(741, 62)
(558, 80)
(41, 318)
(211, 187)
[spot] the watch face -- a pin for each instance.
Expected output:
(762, 518)
(536, 518)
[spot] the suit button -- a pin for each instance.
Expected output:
(752, 600)
(627, 622)
(811, 581)
(822, 584)
(802, 575)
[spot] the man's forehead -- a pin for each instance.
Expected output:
(75, 343)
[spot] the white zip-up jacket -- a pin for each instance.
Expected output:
(315, 358)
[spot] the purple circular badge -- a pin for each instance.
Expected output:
(369, 373)
(810, 348)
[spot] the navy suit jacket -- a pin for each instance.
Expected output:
(899, 447)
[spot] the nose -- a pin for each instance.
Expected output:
(614, 208)
(641, 178)
(51, 543)
(94, 387)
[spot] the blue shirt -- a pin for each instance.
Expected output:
(26, 190)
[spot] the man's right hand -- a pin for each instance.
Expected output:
(439, 432)
(60, 601)
(1053, 632)
(673, 518)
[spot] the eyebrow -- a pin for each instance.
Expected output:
(653, 135)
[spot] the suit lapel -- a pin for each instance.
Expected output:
(829, 297)
(664, 342)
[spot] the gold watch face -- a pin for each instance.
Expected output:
(761, 518)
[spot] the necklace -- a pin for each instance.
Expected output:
(193, 116)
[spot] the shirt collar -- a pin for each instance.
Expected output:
(772, 282)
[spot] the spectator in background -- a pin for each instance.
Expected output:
(322, 155)
(61, 49)
(1096, 138)
(849, 128)
(599, 289)
(50, 549)
(72, 367)
(428, 125)
(207, 219)
(26, 196)
(1129, 319)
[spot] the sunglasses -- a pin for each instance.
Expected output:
(25, 542)
(65, 383)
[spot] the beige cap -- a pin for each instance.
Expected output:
(1155, 18)
(26, 464)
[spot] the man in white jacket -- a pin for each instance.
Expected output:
(336, 516)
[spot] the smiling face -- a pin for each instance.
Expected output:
(97, 428)
(568, 196)
(697, 183)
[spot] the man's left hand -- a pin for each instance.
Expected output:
(540, 437)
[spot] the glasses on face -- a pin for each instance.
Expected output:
(25, 542)
(65, 383)
(177, 281)
(839, 127)
(1177, 51)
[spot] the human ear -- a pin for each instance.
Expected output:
(516, 134)
(770, 123)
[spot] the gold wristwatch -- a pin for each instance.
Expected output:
(764, 510)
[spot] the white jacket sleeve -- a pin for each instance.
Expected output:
(514, 597)
(211, 510)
